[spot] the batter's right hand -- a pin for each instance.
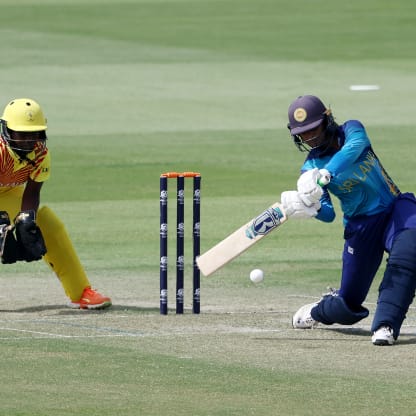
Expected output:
(295, 208)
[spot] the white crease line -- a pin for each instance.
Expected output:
(51, 335)
(57, 319)
(47, 335)
(62, 337)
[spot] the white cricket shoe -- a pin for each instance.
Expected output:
(383, 336)
(302, 319)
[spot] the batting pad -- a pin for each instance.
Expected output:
(61, 255)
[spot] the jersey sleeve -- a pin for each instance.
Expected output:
(327, 212)
(41, 171)
(356, 141)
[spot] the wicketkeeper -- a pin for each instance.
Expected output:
(378, 218)
(27, 232)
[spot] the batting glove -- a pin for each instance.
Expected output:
(308, 187)
(294, 206)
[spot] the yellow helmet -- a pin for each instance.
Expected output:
(24, 115)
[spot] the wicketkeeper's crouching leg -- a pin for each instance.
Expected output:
(64, 261)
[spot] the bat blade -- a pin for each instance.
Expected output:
(241, 240)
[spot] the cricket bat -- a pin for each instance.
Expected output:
(241, 239)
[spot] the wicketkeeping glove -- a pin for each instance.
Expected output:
(8, 245)
(295, 208)
(29, 237)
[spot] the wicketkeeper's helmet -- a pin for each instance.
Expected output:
(22, 115)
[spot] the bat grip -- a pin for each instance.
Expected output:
(323, 182)
(325, 177)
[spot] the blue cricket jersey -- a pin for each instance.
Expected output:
(358, 178)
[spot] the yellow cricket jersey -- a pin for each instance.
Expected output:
(15, 171)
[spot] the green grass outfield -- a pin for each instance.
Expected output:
(135, 88)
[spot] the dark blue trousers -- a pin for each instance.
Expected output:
(366, 240)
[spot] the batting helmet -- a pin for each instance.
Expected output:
(306, 113)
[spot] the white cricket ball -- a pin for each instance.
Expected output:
(256, 276)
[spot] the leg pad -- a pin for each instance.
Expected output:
(333, 309)
(61, 255)
(397, 289)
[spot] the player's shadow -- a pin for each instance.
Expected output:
(360, 332)
(404, 339)
(29, 309)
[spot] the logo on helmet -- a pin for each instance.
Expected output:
(300, 114)
(29, 116)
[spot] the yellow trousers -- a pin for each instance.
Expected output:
(61, 255)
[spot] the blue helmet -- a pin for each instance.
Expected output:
(306, 113)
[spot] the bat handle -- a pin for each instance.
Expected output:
(325, 177)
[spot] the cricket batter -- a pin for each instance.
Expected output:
(378, 218)
(27, 232)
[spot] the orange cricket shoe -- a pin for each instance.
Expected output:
(91, 299)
